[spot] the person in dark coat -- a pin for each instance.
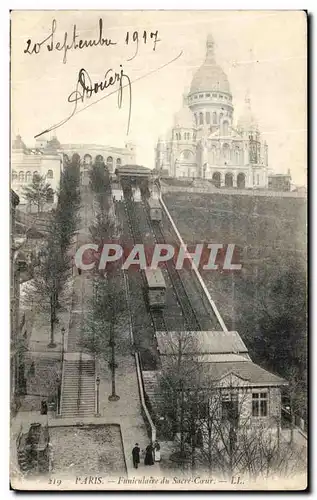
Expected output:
(43, 407)
(149, 459)
(136, 456)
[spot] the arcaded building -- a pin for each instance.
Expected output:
(205, 142)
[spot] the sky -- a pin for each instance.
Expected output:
(263, 52)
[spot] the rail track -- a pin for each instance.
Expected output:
(189, 313)
(157, 315)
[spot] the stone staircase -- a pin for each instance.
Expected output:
(78, 397)
(70, 389)
(151, 389)
(87, 392)
(78, 385)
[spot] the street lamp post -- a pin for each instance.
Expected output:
(63, 342)
(97, 386)
(113, 366)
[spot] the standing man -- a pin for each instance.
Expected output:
(136, 456)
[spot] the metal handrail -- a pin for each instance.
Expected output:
(79, 380)
(141, 390)
(138, 367)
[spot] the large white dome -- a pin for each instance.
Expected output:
(210, 76)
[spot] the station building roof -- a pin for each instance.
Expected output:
(133, 171)
(201, 343)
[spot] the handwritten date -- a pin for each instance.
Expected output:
(135, 37)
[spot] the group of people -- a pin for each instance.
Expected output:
(152, 454)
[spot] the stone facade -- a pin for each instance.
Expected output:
(26, 162)
(47, 158)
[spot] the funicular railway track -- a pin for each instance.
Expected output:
(189, 313)
(156, 314)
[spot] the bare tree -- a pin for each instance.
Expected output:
(179, 383)
(106, 305)
(237, 445)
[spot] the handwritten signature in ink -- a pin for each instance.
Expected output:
(86, 89)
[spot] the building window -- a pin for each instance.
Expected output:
(216, 179)
(220, 116)
(208, 118)
(35, 174)
(214, 118)
(241, 181)
(109, 161)
(259, 404)
(207, 95)
(21, 176)
(225, 128)
(220, 96)
(201, 119)
(229, 180)
(118, 162)
(50, 174)
(28, 176)
(229, 407)
(186, 155)
(195, 97)
(201, 96)
(226, 151)
(214, 95)
(258, 179)
(14, 175)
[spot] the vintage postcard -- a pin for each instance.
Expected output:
(158, 250)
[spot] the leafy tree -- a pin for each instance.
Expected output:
(38, 192)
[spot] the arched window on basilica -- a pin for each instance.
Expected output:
(109, 162)
(229, 179)
(118, 162)
(50, 174)
(214, 118)
(14, 175)
(241, 180)
(216, 179)
(207, 118)
(186, 155)
(201, 118)
(28, 176)
(21, 176)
